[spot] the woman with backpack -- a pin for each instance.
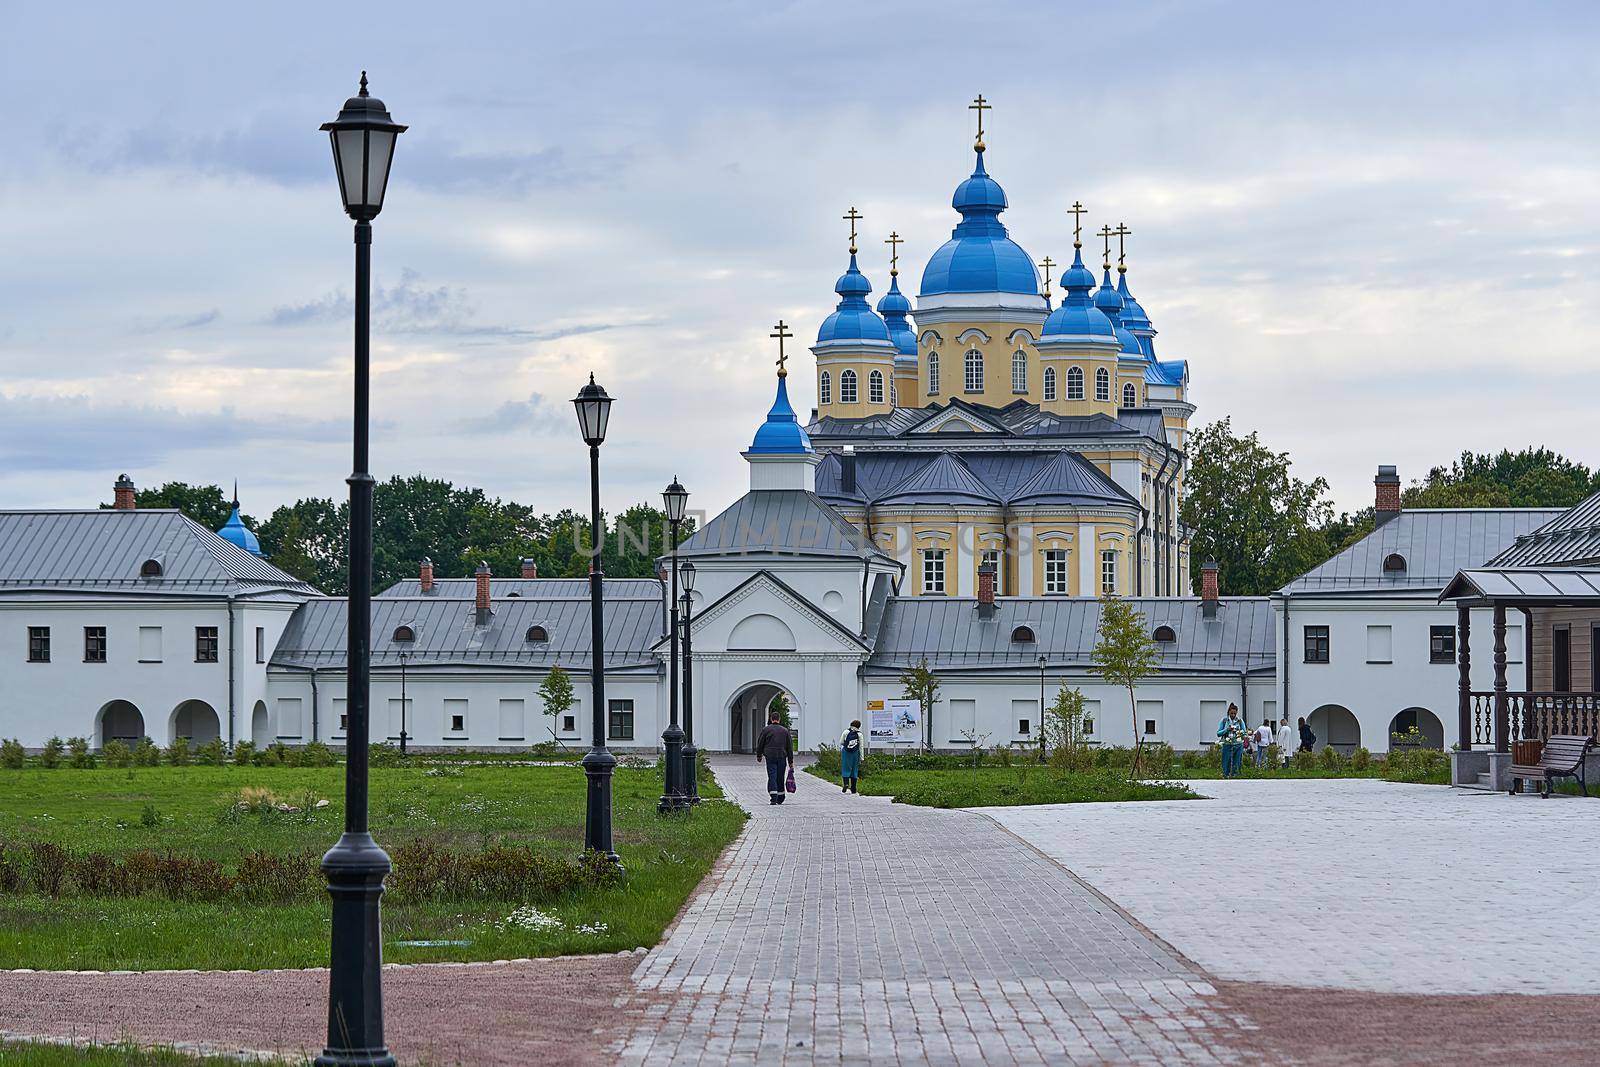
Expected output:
(1307, 738)
(850, 757)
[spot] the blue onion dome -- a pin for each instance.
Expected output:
(1109, 301)
(234, 531)
(894, 307)
(980, 256)
(854, 319)
(782, 433)
(1077, 317)
(1133, 315)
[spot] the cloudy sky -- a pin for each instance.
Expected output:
(1371, 229)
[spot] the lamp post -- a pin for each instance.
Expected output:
(402, 704)
(1042, 719)
(691, 755)
(363, 138)
(594, 412)
(676, 499)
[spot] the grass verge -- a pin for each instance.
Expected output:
(49, 1054)
(974, 787)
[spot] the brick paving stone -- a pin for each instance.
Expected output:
(846, 929)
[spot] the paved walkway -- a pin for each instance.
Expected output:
(847, 929)
(1352, 884)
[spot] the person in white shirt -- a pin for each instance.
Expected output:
(1285, 740)
(1262, 739)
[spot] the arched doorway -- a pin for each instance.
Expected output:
(258, 724)
(120, 721)
(747, 714)
(1335, 725)
(1425, 722)
(196, 720)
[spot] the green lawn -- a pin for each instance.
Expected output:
(972, 787)
(190, 811)
(44, 1054)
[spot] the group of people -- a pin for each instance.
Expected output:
(775, 747)
(1236, 739)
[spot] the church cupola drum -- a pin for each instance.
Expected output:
(854, 352)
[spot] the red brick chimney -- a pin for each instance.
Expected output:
(425, 575)
(1387, 504)
(530, 569)
(482, 575)
(1210, 598)
(986, 591)
(122, 494)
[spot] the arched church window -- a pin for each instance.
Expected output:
(825, 388)
(974, 371)
(1074, 383)
(1049, 383)
(1102, 384)
(1130, 396)
(933, 373)
(847, 387)
(1019, 371)
(875, 387)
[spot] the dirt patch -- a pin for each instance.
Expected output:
(550, 1012)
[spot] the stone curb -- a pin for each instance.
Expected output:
(640, 951)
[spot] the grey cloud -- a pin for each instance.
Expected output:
(178, 322)
(537, 415)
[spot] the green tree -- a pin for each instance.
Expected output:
(1124, 653)
(556, 693)
(919, 683)
(310, 539)
(1249, 513)
(1063, 726)
(209, 505)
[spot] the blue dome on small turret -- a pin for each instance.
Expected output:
(1078, 317)
(234, 531)
(1109, 301)
(853, 319)
(980, 256)
(1134, 317)
(782, 433)
(894, 307)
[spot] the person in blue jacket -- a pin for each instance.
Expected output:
(1230, 735)
(850, 757)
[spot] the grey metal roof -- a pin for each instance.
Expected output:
(951, 635)
(1554, 584)
(1435, 543)
(1020, 418)
(1571, 537)
(537, 588)
(1058, 476)
(448, 634)
(780, 522)
(101, 553)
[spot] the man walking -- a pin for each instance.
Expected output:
(776, 746)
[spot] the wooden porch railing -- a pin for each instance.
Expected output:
(1533, 717)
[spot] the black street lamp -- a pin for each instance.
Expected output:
(1042, 719)
(594, 412)
(363, 138)
(402, 704)
(676, 499)
(691, 755)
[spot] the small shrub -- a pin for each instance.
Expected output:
(1157, 761)
(12, 755)
(269, 878)
(1191, 759)
(117, 754)
(1360, 760)
(544, 750)
(146, 754)
(316, 754)
(211, 754)
(81, 758)
(50, 758)
(150, 817)
(244, 753)
(178, 752)
(10, 869)
(184, 877)
(1417, 765)
(47, 867)
(274, 755)
(383, 754)
(828, 759)
(1305, 760)
(1002, 755)
(1330, 759)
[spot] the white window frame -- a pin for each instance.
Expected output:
(1102, 385)
(1108, 571)
(933, 572)
(1049, 383)
(1130, 395)
(1019, 371)
(933, 373)
(1074, 383)
(972, 371)
(847, 386)
(825, 388)
(1055, 572)
(875, 387)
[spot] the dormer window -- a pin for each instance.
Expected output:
(1164, 634)
(510, 595)
(1394, 563)
(1022, 635)
(150, 568)
(404, 633)
(537, 635)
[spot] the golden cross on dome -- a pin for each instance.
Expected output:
(894, 241)
(980, 105)
(1122, 233)
(1047, 263)
(1107, 232)
(852, 217)
(781, 332)
(1077, 211)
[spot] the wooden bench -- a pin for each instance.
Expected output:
(1563, 757)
